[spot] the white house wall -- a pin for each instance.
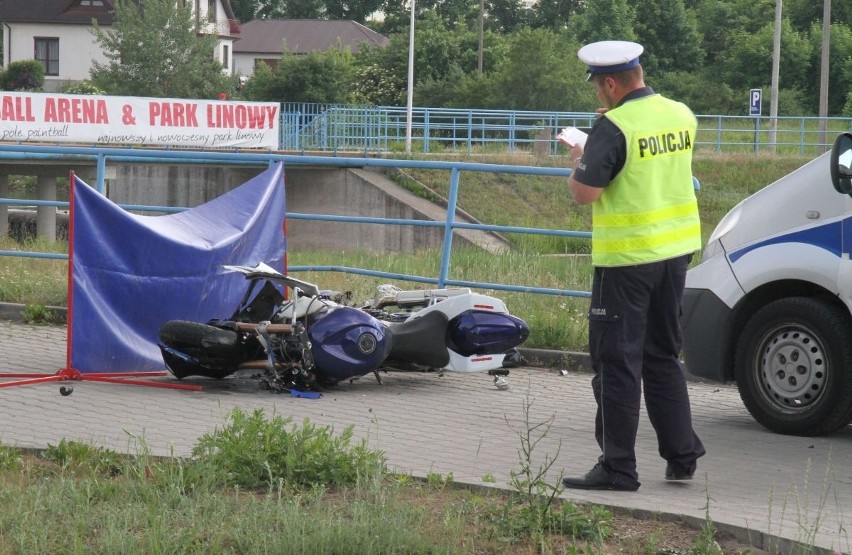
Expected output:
(222, 29)
(77, 49)
(244, 62)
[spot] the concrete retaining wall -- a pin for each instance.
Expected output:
(310, 190)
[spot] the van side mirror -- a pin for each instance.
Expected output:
(841, 163)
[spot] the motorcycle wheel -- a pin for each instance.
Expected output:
(210, 345)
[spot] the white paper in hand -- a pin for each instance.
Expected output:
(572, 136)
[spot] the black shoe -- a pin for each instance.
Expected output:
(601, 478)
(678, 475)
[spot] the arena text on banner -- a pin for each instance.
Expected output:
(27, 117)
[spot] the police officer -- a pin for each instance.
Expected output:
(636, 171)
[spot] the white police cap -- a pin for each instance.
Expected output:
(610, 56)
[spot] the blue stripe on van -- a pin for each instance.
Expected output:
(828, 237)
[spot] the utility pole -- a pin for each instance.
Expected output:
(823, 72)
(481, 31)
(776, 64)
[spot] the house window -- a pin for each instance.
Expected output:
(47, 52)
(211, 11)
(226, 55)
(271, 63)
(92, 2)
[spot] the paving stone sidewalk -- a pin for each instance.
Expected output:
(769, 489)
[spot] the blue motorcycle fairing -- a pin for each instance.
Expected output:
(481, 332)
(347, 343)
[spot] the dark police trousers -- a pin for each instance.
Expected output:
(634, 341)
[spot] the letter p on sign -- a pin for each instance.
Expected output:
(754, 102)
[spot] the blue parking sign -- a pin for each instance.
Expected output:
(755, 103)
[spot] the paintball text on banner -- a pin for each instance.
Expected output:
(122, 120)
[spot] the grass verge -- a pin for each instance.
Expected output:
(261, 484)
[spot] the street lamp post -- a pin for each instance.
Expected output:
(410, 102)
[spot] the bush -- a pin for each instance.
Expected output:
(693, 90)
(26, 75)
(82, 87)
(253, 451)
(321, 77)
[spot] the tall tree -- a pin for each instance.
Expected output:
(157, 48)
(670, 36)
(293, 9)
(711, 16)
(451, 12)
(720, 20)
(747, 61)
(840, 66)
(606, 20)
(436, 50)
(749, 15)
(537, 74)
(246, 10)
(554, 14)
(440, 55)
(803, 13)
(355, 10)
(506, 15)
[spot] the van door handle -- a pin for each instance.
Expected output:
(812, 214)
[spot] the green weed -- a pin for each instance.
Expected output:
(38, 314)
(253, 451)
(10, 458)
(539, 513)
(82, 456)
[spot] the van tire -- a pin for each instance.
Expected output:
(793, 366)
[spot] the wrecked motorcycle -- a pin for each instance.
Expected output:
(310, 338)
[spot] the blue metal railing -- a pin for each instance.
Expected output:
(382, 129)
(101, 155)
(373, 129)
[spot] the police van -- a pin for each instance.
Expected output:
(770, 304)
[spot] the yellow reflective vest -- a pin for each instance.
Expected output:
(649, 211)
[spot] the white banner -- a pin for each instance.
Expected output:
(128, 120)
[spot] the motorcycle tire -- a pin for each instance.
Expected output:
(210, 345)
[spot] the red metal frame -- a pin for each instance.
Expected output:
(72, 374)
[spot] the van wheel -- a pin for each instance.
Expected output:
(793, 366)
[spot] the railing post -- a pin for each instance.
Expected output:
(4, 208)
(470, 132)
(756, 134)
(512, 132)
(452, 197)
(101, 173)
(426, 130)
(719, 134)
